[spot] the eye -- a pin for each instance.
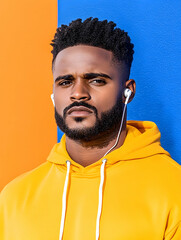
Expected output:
(98, 82)
(64, 83)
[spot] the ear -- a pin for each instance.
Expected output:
(131, 84)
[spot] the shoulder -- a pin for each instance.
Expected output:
(164, 165)
(164, 176)
(24, 182)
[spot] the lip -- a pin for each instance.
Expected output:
(79, 111)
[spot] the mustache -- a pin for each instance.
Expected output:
(79, 104)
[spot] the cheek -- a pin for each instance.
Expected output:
(60, 103)
(105, 100)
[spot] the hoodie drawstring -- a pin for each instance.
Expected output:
(100, 198)
(64, 200)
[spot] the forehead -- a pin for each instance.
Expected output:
(82, 58)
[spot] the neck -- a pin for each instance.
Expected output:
(86, 153)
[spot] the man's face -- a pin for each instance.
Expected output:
(88, 89)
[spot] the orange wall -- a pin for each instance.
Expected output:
(27, 126)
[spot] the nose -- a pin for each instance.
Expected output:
(80, 92)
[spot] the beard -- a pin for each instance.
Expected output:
(108, 122)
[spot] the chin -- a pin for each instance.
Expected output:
(79, 123)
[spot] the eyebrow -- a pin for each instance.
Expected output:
(94, 75)
(65, 77)
(86, 76)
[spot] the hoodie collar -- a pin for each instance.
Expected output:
(142, 140)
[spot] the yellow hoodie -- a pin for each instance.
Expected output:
(141, 194)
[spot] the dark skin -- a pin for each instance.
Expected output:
(73, 82)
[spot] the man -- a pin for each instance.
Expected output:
(107, 178)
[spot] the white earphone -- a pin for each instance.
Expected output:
(127, 94)
(52, 97)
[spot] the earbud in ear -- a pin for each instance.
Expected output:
(127, 94)
(52, 97)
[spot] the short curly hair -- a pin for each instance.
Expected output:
(95, 33)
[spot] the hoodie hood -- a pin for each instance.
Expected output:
(142, 141)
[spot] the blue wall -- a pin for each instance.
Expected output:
(155, 29)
